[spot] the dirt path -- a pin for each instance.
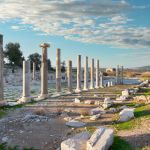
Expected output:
(138, 137)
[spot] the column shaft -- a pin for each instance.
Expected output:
(58, 71)
(33, 71)
(92, 74)
(97, 74)
(69, 76)
(79, 74)
(26, 79)
(86, 71)
(1, 68)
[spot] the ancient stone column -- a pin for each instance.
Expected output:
(92, 74)
(109, 84)
(26, 97)
(33, 71)
(117, 75)
(79, 74)
(58, 71)
(122, 74)
(101, 80)
(69, 76)
(86, 73)
(44, 72)
(97, 74)
(1, 68)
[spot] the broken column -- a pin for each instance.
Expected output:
(101, 80)
(79, 74)
(58, 71)
(33, 71)
(44, 72)
(1, 68)
(86, 74)
(97, 74)
(69, 76)
(92, 74)
(26, 97)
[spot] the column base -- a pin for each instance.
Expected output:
(97, 87)
(24, 100)
(42, 96)
(92, 88)
(85, 89)
(78, 90)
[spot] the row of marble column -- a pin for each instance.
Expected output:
(44, 73)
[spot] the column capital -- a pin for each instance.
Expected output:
(45, 45)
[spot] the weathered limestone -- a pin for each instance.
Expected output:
(92, 74)
(97, 74)
(78, 142)
(126, 114)
(86, 74)
(58, 71)
(117, 75)
(69, 76)
(122, 74)
(101, 80)
(33, 71)
(1, 68)
(101, 139)
(26, 97)
(75, 124)
(44, 72)
(78, 89)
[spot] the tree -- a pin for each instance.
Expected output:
(63, 64)
(35, 58)
(14, 55)
(50, 68)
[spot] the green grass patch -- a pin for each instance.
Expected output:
(91, 129)
(140, 113)
(120, 144)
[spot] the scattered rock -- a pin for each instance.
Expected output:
(5, 139)
(123, 107)
(78, 142)
(67, 118)
(126, 114)
(95, 111)
(90, 102)
(97, 102)
(125, 93)
(143, 98)
(34, 118)
(77, 100)
(101, 139)
(95, 117)
(107, 103)
(75, 123)
(95, 95)
(112, 110)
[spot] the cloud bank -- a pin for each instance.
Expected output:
(90, 21)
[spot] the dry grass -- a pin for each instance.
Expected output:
(84, 112)
(40, 111)
(60, 110)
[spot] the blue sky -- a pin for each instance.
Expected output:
(113, 31)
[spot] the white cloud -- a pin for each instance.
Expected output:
(78, 20)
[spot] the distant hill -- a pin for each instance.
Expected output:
(144, 68)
